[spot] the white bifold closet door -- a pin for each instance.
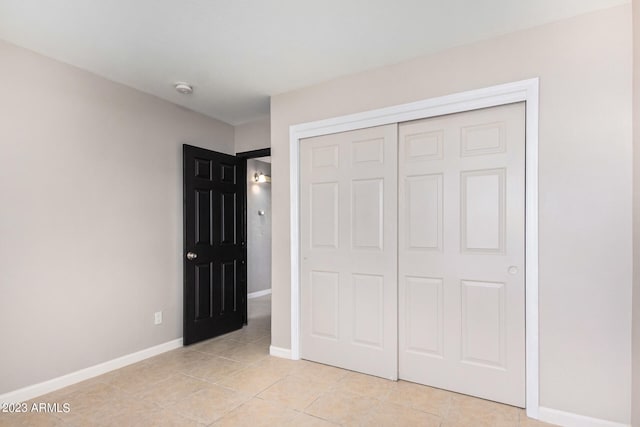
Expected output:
(461, 253)
(348, 250)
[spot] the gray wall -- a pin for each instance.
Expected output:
(585, 176)
(258, 228)
(636, 231)
(90, 216)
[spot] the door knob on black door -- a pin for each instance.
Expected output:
(191, 256)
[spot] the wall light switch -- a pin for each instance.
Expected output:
(158, 317)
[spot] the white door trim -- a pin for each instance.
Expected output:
(524, 90)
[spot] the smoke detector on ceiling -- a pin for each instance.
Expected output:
(184, 88)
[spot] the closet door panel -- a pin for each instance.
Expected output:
(461, 253)
(348, 224)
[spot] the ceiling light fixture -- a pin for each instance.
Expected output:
(184, 88)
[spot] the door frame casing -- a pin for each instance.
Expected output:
(524, 90)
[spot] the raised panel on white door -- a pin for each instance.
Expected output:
(368, 314)
(423, 311)
(424, 146)
(369, 151)
(325, 304)
(482, 216)
(323, 215)
(483, 323)
(486, 138)
(367, 214)
(324, 157)
(423, 211)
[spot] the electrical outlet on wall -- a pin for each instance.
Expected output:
(158, 317)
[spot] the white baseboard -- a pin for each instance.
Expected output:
(284, 353)
(568, 419)
(258, 294)
(54, 384)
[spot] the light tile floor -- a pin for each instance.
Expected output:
(232, 381)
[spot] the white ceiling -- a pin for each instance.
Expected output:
(236, 53)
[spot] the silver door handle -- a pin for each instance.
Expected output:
(513, 270)
(191, 256)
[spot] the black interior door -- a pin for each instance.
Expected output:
(215, 284)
